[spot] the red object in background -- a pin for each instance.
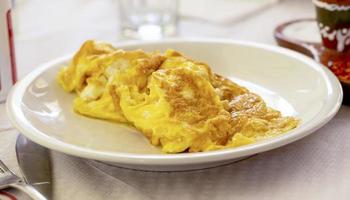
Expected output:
(12, 47)
(8, 74)
(338, 63)
(333, 20)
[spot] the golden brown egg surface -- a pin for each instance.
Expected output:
(178, 103)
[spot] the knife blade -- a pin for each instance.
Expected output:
(35, 164)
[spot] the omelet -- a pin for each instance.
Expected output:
(178, 103)
(178, 107)
(90, 74)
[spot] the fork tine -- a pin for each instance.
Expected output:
(3, 167)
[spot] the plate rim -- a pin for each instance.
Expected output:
(331, 107)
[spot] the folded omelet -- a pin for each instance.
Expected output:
(178, 103)
(90, 74)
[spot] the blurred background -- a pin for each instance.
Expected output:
(45, 30)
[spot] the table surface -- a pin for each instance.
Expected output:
(316, 167)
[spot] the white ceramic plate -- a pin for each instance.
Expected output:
(287, 80)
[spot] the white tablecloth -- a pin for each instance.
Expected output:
(316, 167)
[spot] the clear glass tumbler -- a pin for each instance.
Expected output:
(148, 19)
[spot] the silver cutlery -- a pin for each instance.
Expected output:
(34, 162)
(7, 177)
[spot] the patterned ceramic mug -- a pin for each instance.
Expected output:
(333, 17)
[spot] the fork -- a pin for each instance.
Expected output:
(7, 177)
(10, 179)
